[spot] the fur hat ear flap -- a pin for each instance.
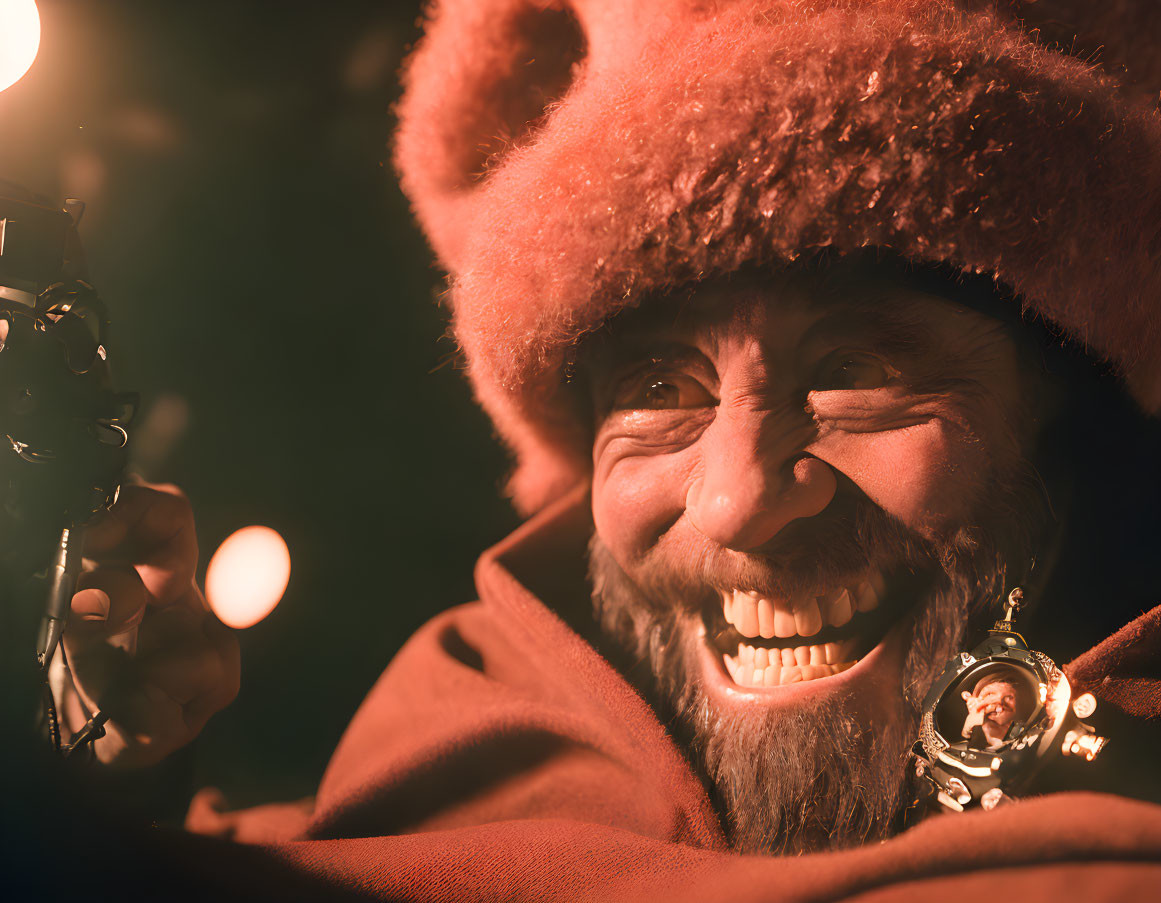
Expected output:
(482, 81)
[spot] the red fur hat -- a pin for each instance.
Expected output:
(568, 157)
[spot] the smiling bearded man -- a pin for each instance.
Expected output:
(763, 297)
(802, 489)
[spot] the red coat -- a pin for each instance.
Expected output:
(501, 757)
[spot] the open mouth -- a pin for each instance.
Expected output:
(766, 642)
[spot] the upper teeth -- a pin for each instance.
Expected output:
(753, 615)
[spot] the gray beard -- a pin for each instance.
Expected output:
(827, 775)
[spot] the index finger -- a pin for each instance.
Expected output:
(152, 529)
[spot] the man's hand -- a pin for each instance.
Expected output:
(975, 714)
(142, 644)
(989, 701)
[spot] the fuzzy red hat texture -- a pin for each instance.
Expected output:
(569, 159)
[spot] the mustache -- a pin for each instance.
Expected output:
(686, 568)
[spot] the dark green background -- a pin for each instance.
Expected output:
(245, 227)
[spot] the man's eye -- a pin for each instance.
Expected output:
(657, 392)
(854, 370)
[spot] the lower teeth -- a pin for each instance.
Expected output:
(774, 668)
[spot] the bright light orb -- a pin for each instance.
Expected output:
(247, 576)
(19, 39)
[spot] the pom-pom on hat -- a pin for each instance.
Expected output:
(569, 158)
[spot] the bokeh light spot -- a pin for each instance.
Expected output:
(247, 576)
(19, 39)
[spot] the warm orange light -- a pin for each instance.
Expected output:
(19, 39)
(247, 576)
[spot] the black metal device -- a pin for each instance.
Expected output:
(63, 428)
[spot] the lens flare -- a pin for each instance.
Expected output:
(19, 39)
(247, 576)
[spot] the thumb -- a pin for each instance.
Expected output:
(90, 609)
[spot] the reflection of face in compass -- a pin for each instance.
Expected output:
(994, 704)
(993, 717)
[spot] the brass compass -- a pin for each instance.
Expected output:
(995, 717)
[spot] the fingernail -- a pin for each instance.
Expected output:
(91, 605)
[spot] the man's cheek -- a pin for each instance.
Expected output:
(637, 498)
(926, 475)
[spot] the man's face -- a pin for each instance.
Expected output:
(999, 698)
(793, 483)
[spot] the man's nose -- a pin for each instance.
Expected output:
(756, 478)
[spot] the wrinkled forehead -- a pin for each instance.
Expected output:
(843, 299)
